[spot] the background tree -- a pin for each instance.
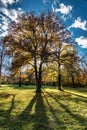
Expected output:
(63, 50)
(83, 70)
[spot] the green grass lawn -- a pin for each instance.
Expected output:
(22, 109)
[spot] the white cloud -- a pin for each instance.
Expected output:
(53, 8)
(7, 17)
(63, 9)
(78, 23)
(3, 34)
(82, 41)
(4, 27)
(6, 2)
(11, 13)
(5, 24)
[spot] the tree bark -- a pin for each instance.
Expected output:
(39, 82)
(59, 82)
(59, 67)
(73, 83)
(20, 84)
(59, 74)
(38, 87)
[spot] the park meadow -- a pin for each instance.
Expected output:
(24, 109)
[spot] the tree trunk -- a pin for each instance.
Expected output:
(78, 79)
(38, 83)
(79, 82)
(59, 75)
(20, 84)
(59, 82)
(73, 83)
(38, 77)
(38, 89)
(59, 67)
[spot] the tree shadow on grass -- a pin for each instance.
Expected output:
(31, 118)
(38, 119)
(78, 95)
(57, 121)
(78, 118)
(35, 117)
(20, 121)
(6, 114)
(42, 121)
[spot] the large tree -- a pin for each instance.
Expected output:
(33, 40)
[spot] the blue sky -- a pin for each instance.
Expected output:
(72, 12)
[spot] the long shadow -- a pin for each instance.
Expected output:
(77, 117)
(12, 105)
(41, 119)
(37, 120)
(79, 99)
(75, 94)
(16, 123)
(6, 114)
(26, 113)
(54, 115)
(25, 117)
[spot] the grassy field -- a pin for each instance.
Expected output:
(22, 109)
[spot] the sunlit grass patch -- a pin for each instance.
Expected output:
(23, 109)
